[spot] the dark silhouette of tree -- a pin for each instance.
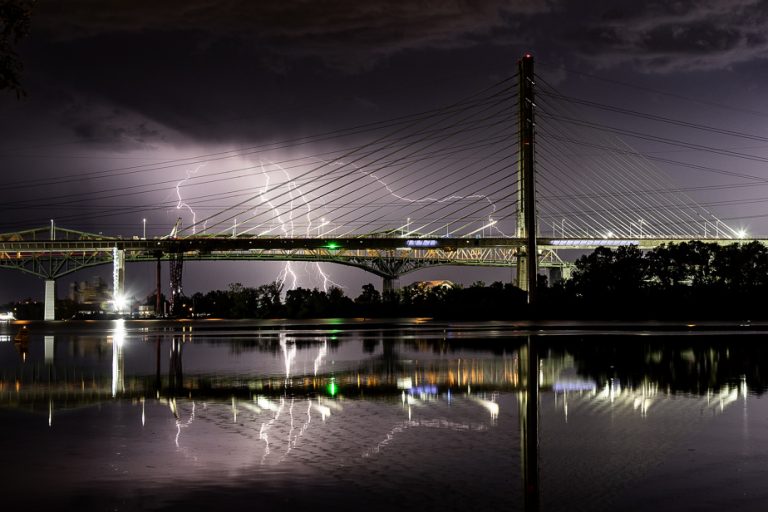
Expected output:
(369, 296)
(607, 274)
(15, 23)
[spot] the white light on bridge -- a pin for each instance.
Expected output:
(593, 242)
(741, 234)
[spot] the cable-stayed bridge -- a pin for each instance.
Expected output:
(514, 169)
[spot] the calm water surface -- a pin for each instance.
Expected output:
(408, 416)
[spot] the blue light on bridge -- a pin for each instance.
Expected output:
(419, 242)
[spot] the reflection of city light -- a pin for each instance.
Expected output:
(324, 411)
(404, 383)
(491, 406)
(574, 385)
(267, 404)
(118, 340)
(332, 388)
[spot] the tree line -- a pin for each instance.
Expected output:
(689, 279)
(268, 301)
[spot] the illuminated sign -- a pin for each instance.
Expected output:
(420, 242)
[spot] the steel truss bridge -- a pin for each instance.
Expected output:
(53, 253)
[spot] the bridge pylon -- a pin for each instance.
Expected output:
(176, 264)
(527, 259)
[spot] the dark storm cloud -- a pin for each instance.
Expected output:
(111, 127)
(343, 33)
(240, 70)
(224, 71)
(668, 36)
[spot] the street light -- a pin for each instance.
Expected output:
(144, 221)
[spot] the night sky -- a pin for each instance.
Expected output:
(120, 86)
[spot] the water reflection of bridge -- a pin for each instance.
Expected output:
(390, 372)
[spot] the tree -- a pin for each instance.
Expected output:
(607, 274)
(15, 23)
(369, 296)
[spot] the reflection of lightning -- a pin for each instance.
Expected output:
(181, 204)
(435, 424)
(289, 354)
(320, 356)
(290, 433)
(406, 227)
(263, 431)
(306, 423)
(179, 424)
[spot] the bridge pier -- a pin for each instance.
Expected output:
(158, 289)
(49, 311)
(522, 271)
(390, 284)
(118, 279)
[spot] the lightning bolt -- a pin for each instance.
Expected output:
(181, 204)
(286, 222)
(372, 175)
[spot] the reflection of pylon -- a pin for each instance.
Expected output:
(175, 374)
(177, 267)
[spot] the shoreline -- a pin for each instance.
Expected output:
(421, 323)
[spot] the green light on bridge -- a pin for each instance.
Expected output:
(332, 246)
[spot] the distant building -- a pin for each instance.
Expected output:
(94, 298)
(94, 293)
(425, 288)
(431, 285)
(146, 311)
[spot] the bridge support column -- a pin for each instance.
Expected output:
(522, 271)
(118, 279)
(390, 284)
(49, 311)
(158, 289)
(176, 264)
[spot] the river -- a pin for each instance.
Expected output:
(397, 415)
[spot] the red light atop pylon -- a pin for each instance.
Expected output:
(527, 55)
